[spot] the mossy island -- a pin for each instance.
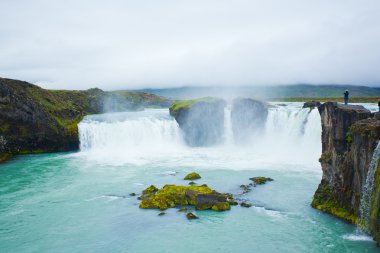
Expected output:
(201, 197)
(192, 176)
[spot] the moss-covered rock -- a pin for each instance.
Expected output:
(221, 206)
(325, 201)
(260, 180)
(245, 204)
(200, 120)
(201, 197)
(151, 189)
(192, 176)
(191, 216)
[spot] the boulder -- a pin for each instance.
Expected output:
(311, 104)
(192, 176)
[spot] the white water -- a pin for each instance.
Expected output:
(292, 135)
(367, 191)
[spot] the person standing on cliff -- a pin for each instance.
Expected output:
(346, 93)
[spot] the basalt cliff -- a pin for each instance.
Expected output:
(35, 120)
(350, 134)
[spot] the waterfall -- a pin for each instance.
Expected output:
(367, 192)
(228, 135)
(129, 134)
(291, 134)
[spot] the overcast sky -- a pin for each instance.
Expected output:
(141, 43)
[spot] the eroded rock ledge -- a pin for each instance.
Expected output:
(349, 136)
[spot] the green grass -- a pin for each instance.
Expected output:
(326, 99)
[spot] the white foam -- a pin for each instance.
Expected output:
(358, 237)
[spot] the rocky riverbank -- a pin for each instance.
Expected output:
(349, 136)
(35, 120)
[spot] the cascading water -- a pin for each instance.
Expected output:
(367, 192)
(291, 134)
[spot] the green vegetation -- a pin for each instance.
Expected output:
(326, 157)
(202, 197)
(261, 180)
(326, 99)
(186, 104)
(192, 176)
(326, 202)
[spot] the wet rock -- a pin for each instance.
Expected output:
(201, 197)
(192, 183)
(244, 204)
(192, 176)
(245, 188)
(132, 194)
(191, 216)
(183, 209)
(311, 104)
(161, 214)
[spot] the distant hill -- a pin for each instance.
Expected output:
(270, 92)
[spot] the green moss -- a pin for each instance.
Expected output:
(244, 204)
(171, 196)
(261, 180)
(325, 201)
(326, 157)
(5, 156)
(151, 189)
(221, 206)
(186, 104)
(348, 138)
(192, 176)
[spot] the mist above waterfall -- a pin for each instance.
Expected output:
(291, 135)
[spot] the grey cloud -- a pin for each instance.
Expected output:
(135, 44)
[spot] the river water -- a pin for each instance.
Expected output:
(79, 202)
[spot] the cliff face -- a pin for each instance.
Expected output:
(349, 137)
(35, 120)
(248, 117)
(201, 120)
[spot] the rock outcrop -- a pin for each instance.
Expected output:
(35, 120)
(349, 136)
(201, 197)
(201, 120)
(248, 118)
(311, 104)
